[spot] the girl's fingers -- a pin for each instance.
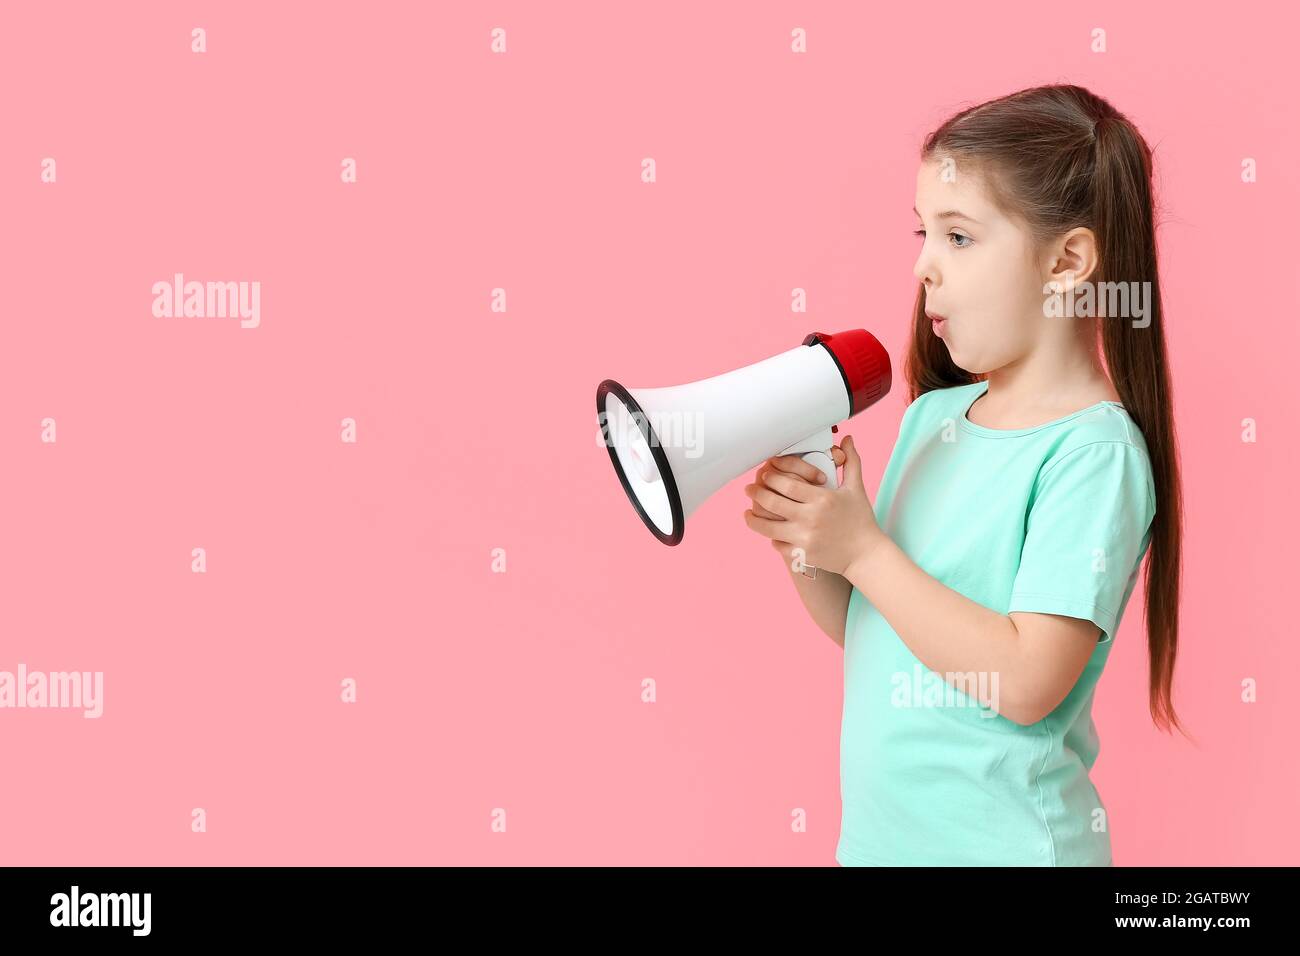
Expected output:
(795, 465)
(752, 491)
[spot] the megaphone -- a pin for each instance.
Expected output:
(672, 447)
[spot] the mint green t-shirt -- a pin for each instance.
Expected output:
(1053, 518)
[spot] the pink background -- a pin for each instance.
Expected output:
(476, 429)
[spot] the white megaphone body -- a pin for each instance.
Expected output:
(672, 447)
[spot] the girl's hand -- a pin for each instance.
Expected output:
(791, 465)
(833, 527)
(795, 466)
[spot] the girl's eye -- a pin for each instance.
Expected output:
(952, 235)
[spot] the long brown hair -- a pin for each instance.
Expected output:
(1059, 157)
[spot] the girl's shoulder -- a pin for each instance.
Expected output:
(1103, 448)
(1105, 422)
(1090, 438)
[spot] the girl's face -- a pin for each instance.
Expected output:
(978, 269)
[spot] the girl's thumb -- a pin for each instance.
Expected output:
(852, 463)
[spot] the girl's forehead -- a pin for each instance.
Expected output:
(947, 187)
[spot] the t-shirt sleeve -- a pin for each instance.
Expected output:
(1085, 532)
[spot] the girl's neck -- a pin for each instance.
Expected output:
(1026, 393)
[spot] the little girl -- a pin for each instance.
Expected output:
(1027, 485)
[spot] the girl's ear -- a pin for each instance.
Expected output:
(1073, 258)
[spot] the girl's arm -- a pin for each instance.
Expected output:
(1022, 664)
(1029, 662)
(826, 597)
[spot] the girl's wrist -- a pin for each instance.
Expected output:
(874, 544)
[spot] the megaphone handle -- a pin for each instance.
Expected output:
(816, 449)
(826, 463)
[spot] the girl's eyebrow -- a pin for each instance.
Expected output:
(953, 214)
